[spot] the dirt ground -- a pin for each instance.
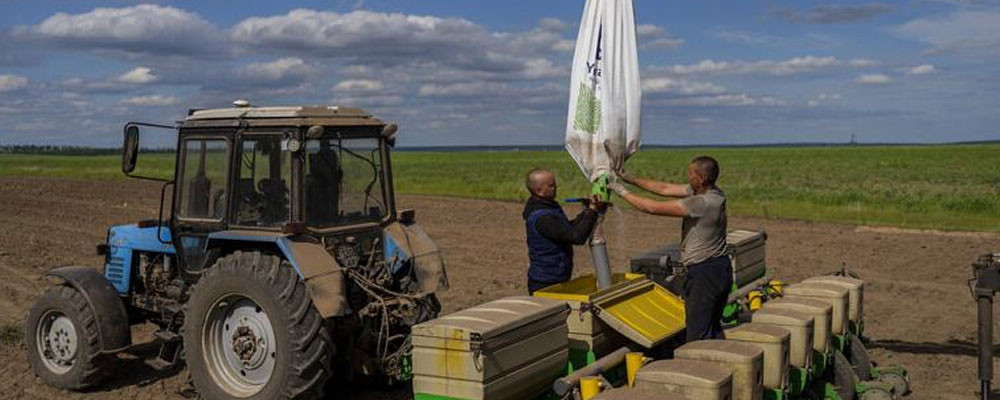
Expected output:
(918, 308)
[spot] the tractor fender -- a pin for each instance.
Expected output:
(103, 300)
(408, 242)
(323, 276)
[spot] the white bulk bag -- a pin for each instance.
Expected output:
(602, 127)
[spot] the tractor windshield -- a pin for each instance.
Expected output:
(343, 183)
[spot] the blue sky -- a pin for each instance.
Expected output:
(496, 73)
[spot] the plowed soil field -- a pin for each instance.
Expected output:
(918, 309)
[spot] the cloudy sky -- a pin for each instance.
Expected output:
(463, 72)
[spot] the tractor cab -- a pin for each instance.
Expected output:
(275, 170)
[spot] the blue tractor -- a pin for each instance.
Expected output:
(278, 261)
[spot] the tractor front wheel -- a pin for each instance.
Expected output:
(62, 340)
(251, 332)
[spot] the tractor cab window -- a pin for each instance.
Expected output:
(203, 179)
(343, 181)
(264, 182)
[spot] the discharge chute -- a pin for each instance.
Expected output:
(602, 126)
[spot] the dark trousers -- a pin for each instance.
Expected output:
(705, 293)
(534, 286)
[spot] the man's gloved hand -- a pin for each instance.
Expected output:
(625, 175)
(618, 188)
(594, 203)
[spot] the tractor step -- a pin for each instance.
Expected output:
(159, 364)
(170, 352)
(167, 336)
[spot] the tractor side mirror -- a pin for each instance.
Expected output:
(130, 148)
(389, 133)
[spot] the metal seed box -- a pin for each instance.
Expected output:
(821, 311)
(836, 295)
(745, 361)
(700, 380)
(512, 348)
(624, 393)
(659, 264)
(799, 325)
(746, 248)
(856, 294)
(773, 341)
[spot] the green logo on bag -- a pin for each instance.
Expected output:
(588, 110)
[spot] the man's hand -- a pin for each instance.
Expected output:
(594, 203)
(625, 175)
(618, 188)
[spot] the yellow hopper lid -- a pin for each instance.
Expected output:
(634, 306)
(642, 311)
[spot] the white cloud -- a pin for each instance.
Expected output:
(543, 68)
(373, 101)
(770, 67)
(371, 32)
(834, 13)
(650, 30)
(873, 79)
(156, 100)
(744, 37)
(563, 46)
(463, 89)
(666, 43)
(679, 86)
(358, 85)
(828, 96)
(862, 62)
(730, 100)
(146, 28)
(277, 70)
(656, 37)
(962, 29)
(395, 39)
(12, 82)
(920, 70)
(138, 75)
(806, 63)
(553, 24)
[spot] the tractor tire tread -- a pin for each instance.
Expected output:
(91, 363)
(310, 344)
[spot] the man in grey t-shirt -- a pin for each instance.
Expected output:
(702, 205)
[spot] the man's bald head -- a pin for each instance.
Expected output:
(541, 183)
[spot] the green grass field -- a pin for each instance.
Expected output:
(954, 187)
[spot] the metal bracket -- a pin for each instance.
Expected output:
(476, 345)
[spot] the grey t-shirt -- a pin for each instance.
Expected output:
(703, 231)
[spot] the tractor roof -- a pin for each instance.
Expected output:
(279, 116)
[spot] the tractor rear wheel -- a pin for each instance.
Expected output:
(62, 340)
(252, 332)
